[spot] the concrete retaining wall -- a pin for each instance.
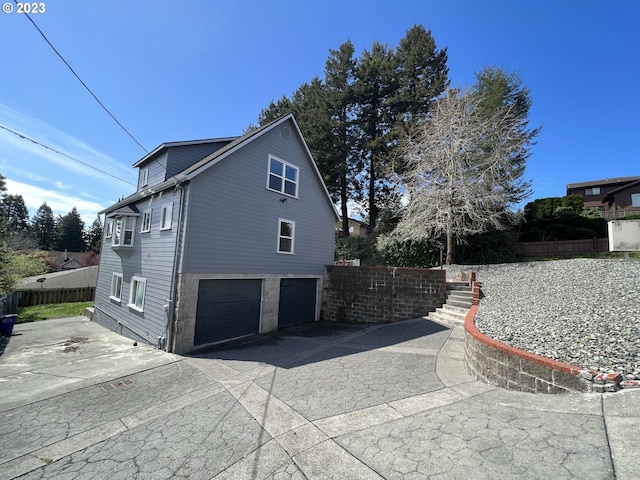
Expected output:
(381, 294)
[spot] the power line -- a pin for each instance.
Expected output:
(64, 154)
(80, 80)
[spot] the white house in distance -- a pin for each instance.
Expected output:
(223, 238)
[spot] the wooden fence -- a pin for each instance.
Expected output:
(9, 303)
(45, 296)
(561, 247)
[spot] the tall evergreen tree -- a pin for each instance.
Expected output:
(339, 79)
(421, 77)
(94, 236)
(16, 214)
(375, 86)
(275, 110)
(43, 226)
(500, 92)
(70, 233)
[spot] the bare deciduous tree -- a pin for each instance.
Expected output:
(458, 187)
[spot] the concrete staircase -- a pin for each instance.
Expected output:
(457, 304)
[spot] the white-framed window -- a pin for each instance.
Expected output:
(592, 191)
(144, 176)
(116, 287)
(286, 236)
(109, 229)
(282, 177)
(123, 231)
(146, 221)
(165, 219)
(136, 295)
(635, 199)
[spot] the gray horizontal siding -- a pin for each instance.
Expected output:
(151, 258)
(183, 156)
(157, 171)
(233, 219)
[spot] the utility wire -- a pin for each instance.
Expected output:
(64, 154)
(80, 80)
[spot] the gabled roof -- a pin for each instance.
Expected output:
(217, 156)
(606, 181)
(129, 210)
(624, 187)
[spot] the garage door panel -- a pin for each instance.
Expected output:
(297, 301)
(227, 309)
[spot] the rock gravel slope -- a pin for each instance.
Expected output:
(585, 312)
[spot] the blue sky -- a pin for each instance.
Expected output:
(192, 69)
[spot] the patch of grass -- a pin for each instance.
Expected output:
(45, 312)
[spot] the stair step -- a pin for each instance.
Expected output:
(459, 294)
(461, 303)
(446, 319)
(455, 309)
(464, 286)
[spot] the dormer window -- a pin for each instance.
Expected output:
(144, 176)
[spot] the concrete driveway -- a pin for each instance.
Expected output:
(318, 401)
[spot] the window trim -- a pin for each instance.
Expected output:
(635, 200)
(117, 239)
(135, 280)
(109, 228)
(116, 280)
(281, 237)
(144, 176)
(283, 177)
(590, 192)
(164, 215)
(146, 221)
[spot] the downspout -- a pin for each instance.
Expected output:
(176, 261)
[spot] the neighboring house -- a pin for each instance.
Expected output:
(356, 228)
(77, 278)
(223, 238)
(64, 260)
(614, 197)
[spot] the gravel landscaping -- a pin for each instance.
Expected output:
(585, 312)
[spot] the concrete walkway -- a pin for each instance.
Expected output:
(318, 401)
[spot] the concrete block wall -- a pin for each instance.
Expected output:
(381, 294)
(514, 369)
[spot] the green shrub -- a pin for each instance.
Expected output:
(408, 253)
(352, 247)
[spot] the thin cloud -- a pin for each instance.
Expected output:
(61, 203)
(15, 147)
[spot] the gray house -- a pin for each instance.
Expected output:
(223, 238)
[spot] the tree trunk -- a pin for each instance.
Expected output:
(372, 197)
(343, 204)
(451, 246)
